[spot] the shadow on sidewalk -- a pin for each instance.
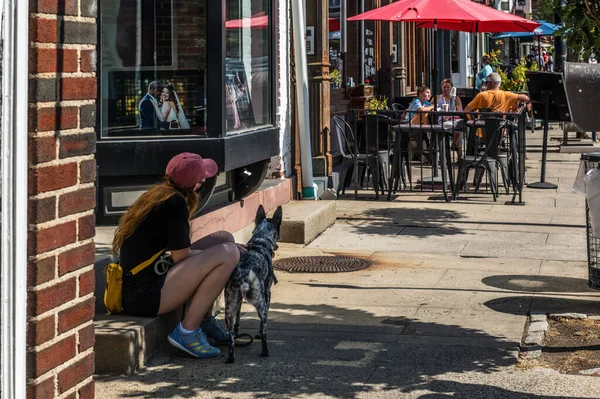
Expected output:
(427, 221)
(449, 389)
(538, 283)
(340, 352)
(546, 304)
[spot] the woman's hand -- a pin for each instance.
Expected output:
(242, 248)
(159, 112)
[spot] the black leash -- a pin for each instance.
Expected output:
(243, 343)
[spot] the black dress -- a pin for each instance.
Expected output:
(165, 227)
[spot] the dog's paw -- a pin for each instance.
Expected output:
(230, 359)
(265, 353)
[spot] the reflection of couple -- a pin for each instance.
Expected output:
(166, 115)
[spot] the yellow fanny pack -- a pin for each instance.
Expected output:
(113, 292)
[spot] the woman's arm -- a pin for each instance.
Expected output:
(162, 116)
(459, 106)
(425, 108)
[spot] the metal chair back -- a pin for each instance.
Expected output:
(345, 137)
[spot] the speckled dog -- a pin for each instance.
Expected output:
(253, 277)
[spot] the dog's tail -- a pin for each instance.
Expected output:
(251, 288)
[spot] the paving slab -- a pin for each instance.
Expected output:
(518, 250)
(350, 319)
(470, 324)
(577, 222)
(424, 261)
(565, 269)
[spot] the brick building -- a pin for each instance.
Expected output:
(62, 198)
(75, 71)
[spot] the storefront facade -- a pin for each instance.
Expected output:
(221, 75)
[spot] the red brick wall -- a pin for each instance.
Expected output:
(62, 197)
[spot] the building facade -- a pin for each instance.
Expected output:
(78, 71)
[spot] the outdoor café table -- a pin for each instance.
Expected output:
(443, 136)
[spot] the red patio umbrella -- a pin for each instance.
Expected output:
(461, 15)
(262, 21)
(458, 15)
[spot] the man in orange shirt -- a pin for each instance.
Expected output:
(494, 98)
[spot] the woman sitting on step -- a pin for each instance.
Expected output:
(194, 274)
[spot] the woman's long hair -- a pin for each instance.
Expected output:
(148, 201)
(172, 98)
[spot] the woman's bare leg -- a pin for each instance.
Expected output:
(213, 239)
(208, 241)
(200, 277)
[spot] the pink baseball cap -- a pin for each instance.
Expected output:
(188, 169)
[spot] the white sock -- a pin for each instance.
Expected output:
(183, 330)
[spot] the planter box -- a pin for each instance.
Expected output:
(360, 102)
(363, 91)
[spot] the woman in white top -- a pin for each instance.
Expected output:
(454, 104)
(170, 110)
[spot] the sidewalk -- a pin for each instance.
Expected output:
(440, 313)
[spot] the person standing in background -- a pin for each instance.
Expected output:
(485, 71)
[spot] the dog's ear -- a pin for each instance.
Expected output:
(278, 216)
(260, 215)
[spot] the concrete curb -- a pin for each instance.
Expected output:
(531, 345)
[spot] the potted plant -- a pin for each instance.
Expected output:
(336, 79)
(378, 104)
(377, 122)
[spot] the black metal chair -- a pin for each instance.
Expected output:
(483, 154)
(349, 148)
(401, 163)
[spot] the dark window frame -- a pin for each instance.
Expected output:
(215, 80)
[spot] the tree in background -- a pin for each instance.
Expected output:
(581, 24)
(593, 11)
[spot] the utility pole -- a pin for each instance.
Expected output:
(560, 45)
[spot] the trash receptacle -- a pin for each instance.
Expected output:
(592, 160)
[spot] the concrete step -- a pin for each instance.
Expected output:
(303, 221)
(125, 344)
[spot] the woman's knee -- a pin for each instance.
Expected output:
(231, 253)
(224, 236)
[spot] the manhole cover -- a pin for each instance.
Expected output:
(321, 264)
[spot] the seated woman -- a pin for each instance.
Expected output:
(454, 104)
(421, 103)
(158, 222)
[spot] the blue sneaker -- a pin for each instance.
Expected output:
(195, 343)
(216, 334)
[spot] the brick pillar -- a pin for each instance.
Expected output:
(62, 197)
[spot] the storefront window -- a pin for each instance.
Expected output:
(455, 51)
(248, 64)
(146, 41)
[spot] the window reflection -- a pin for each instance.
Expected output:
(153, 62)
(248, 74)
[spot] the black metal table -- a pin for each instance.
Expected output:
(443, 136)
